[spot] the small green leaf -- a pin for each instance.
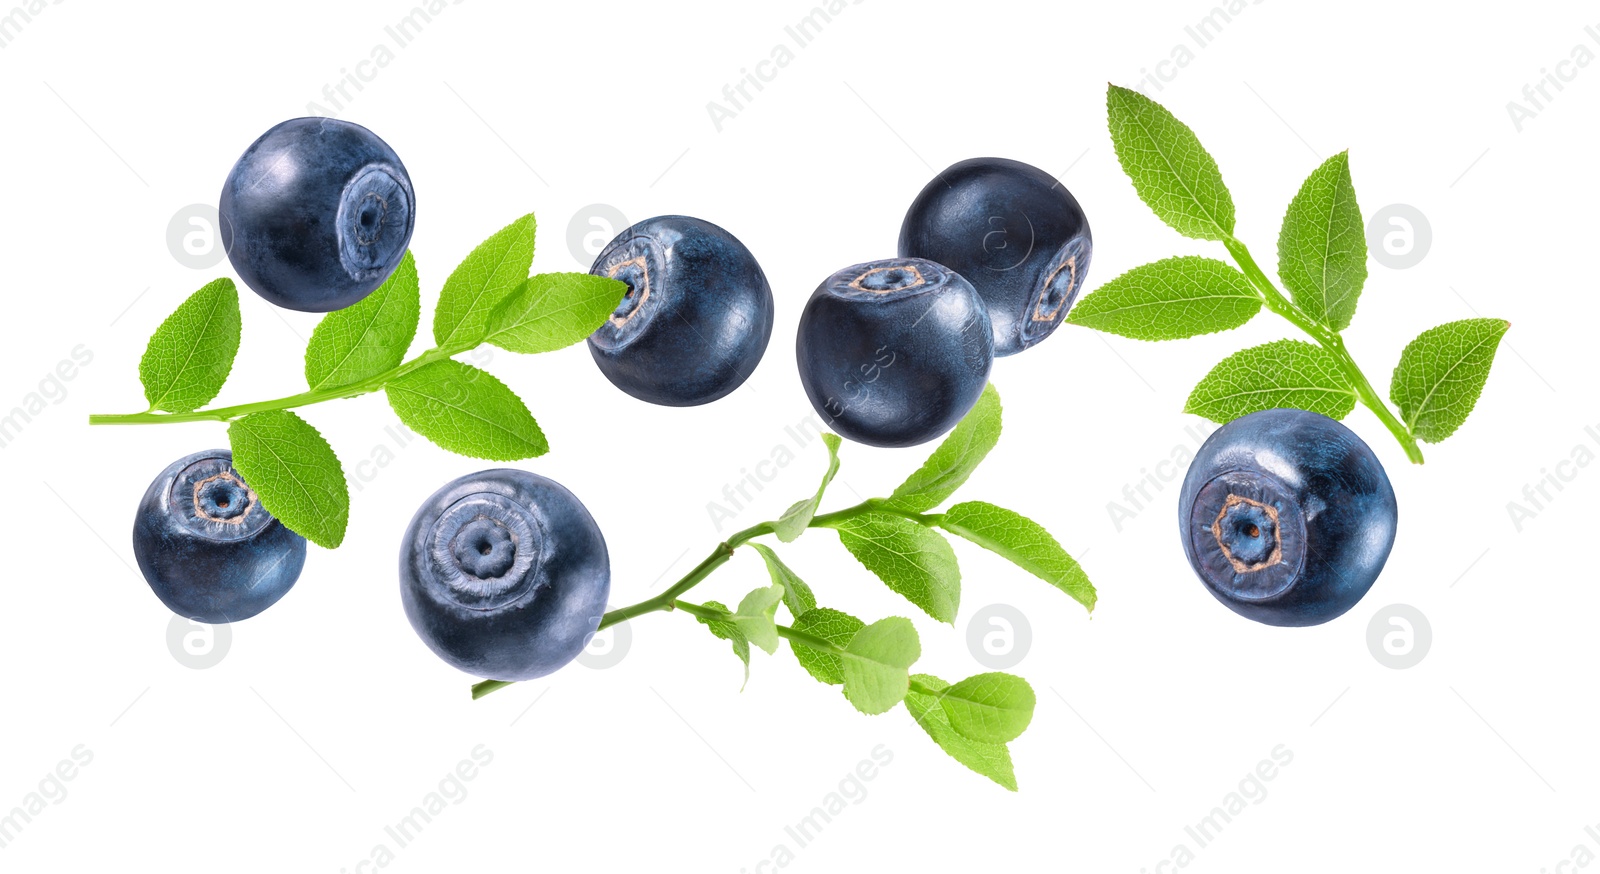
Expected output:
(367, 338)
(189, 356)
(754, 617)
(294, 472)
(1170, 299)
(1441, 375)
(833, 626)
(876, 664)
(990, 708)
(956, 458)
(467, 411)
(1022, 541)
(797, 595)
(1322, 248)
(1283, 373)
(726, 630)
(1172, 172)
(990, 760)
(490, 274)
(552, 311)
(910, 559)
(794, 520)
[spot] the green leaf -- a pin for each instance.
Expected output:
(910, 559)
(1283, 373)
(876, 664)
(552, 311)
(490, 274)
(190, 355)
(794, 520)
(1170, 299)
(754, 617)
(836, 628)
(990, 760)
(367, 338)
(726, 630)
(1322, 248)
(1022, 541)
(1172, 172)
(797, 595)
(294, 472)
(991, 708)
(467, 411)
(956, 458)
(1441, 374)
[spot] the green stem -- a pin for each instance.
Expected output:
(668, 600)
(1328, 339)
(303, 399)
(810, 641)
(873, 505)
(485, 687)
(664, 601)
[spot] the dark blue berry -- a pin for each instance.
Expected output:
(1287, 517)
(894, 352)
(504, 574)
(207, 547)
(695, 319)
(1015, 232)
(316, 214)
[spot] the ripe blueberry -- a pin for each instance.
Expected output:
(894, 352)
(1287, 517)
(316, 214)
(207, 547)
(1015, 233)
(504, 574)
(695, 319)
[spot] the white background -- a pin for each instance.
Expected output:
(328, 720)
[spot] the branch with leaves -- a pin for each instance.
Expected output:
(901, 541)
(489, 298)
(1322, 261)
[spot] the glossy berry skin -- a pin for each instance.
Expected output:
(207, 547)
(1287, 517)
(316, 214)
(696, 318)
(894, 352)
(1015, 232)
(504, 574)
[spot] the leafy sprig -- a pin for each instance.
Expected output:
(1322, 261)
(901, 542)
(489, 298)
